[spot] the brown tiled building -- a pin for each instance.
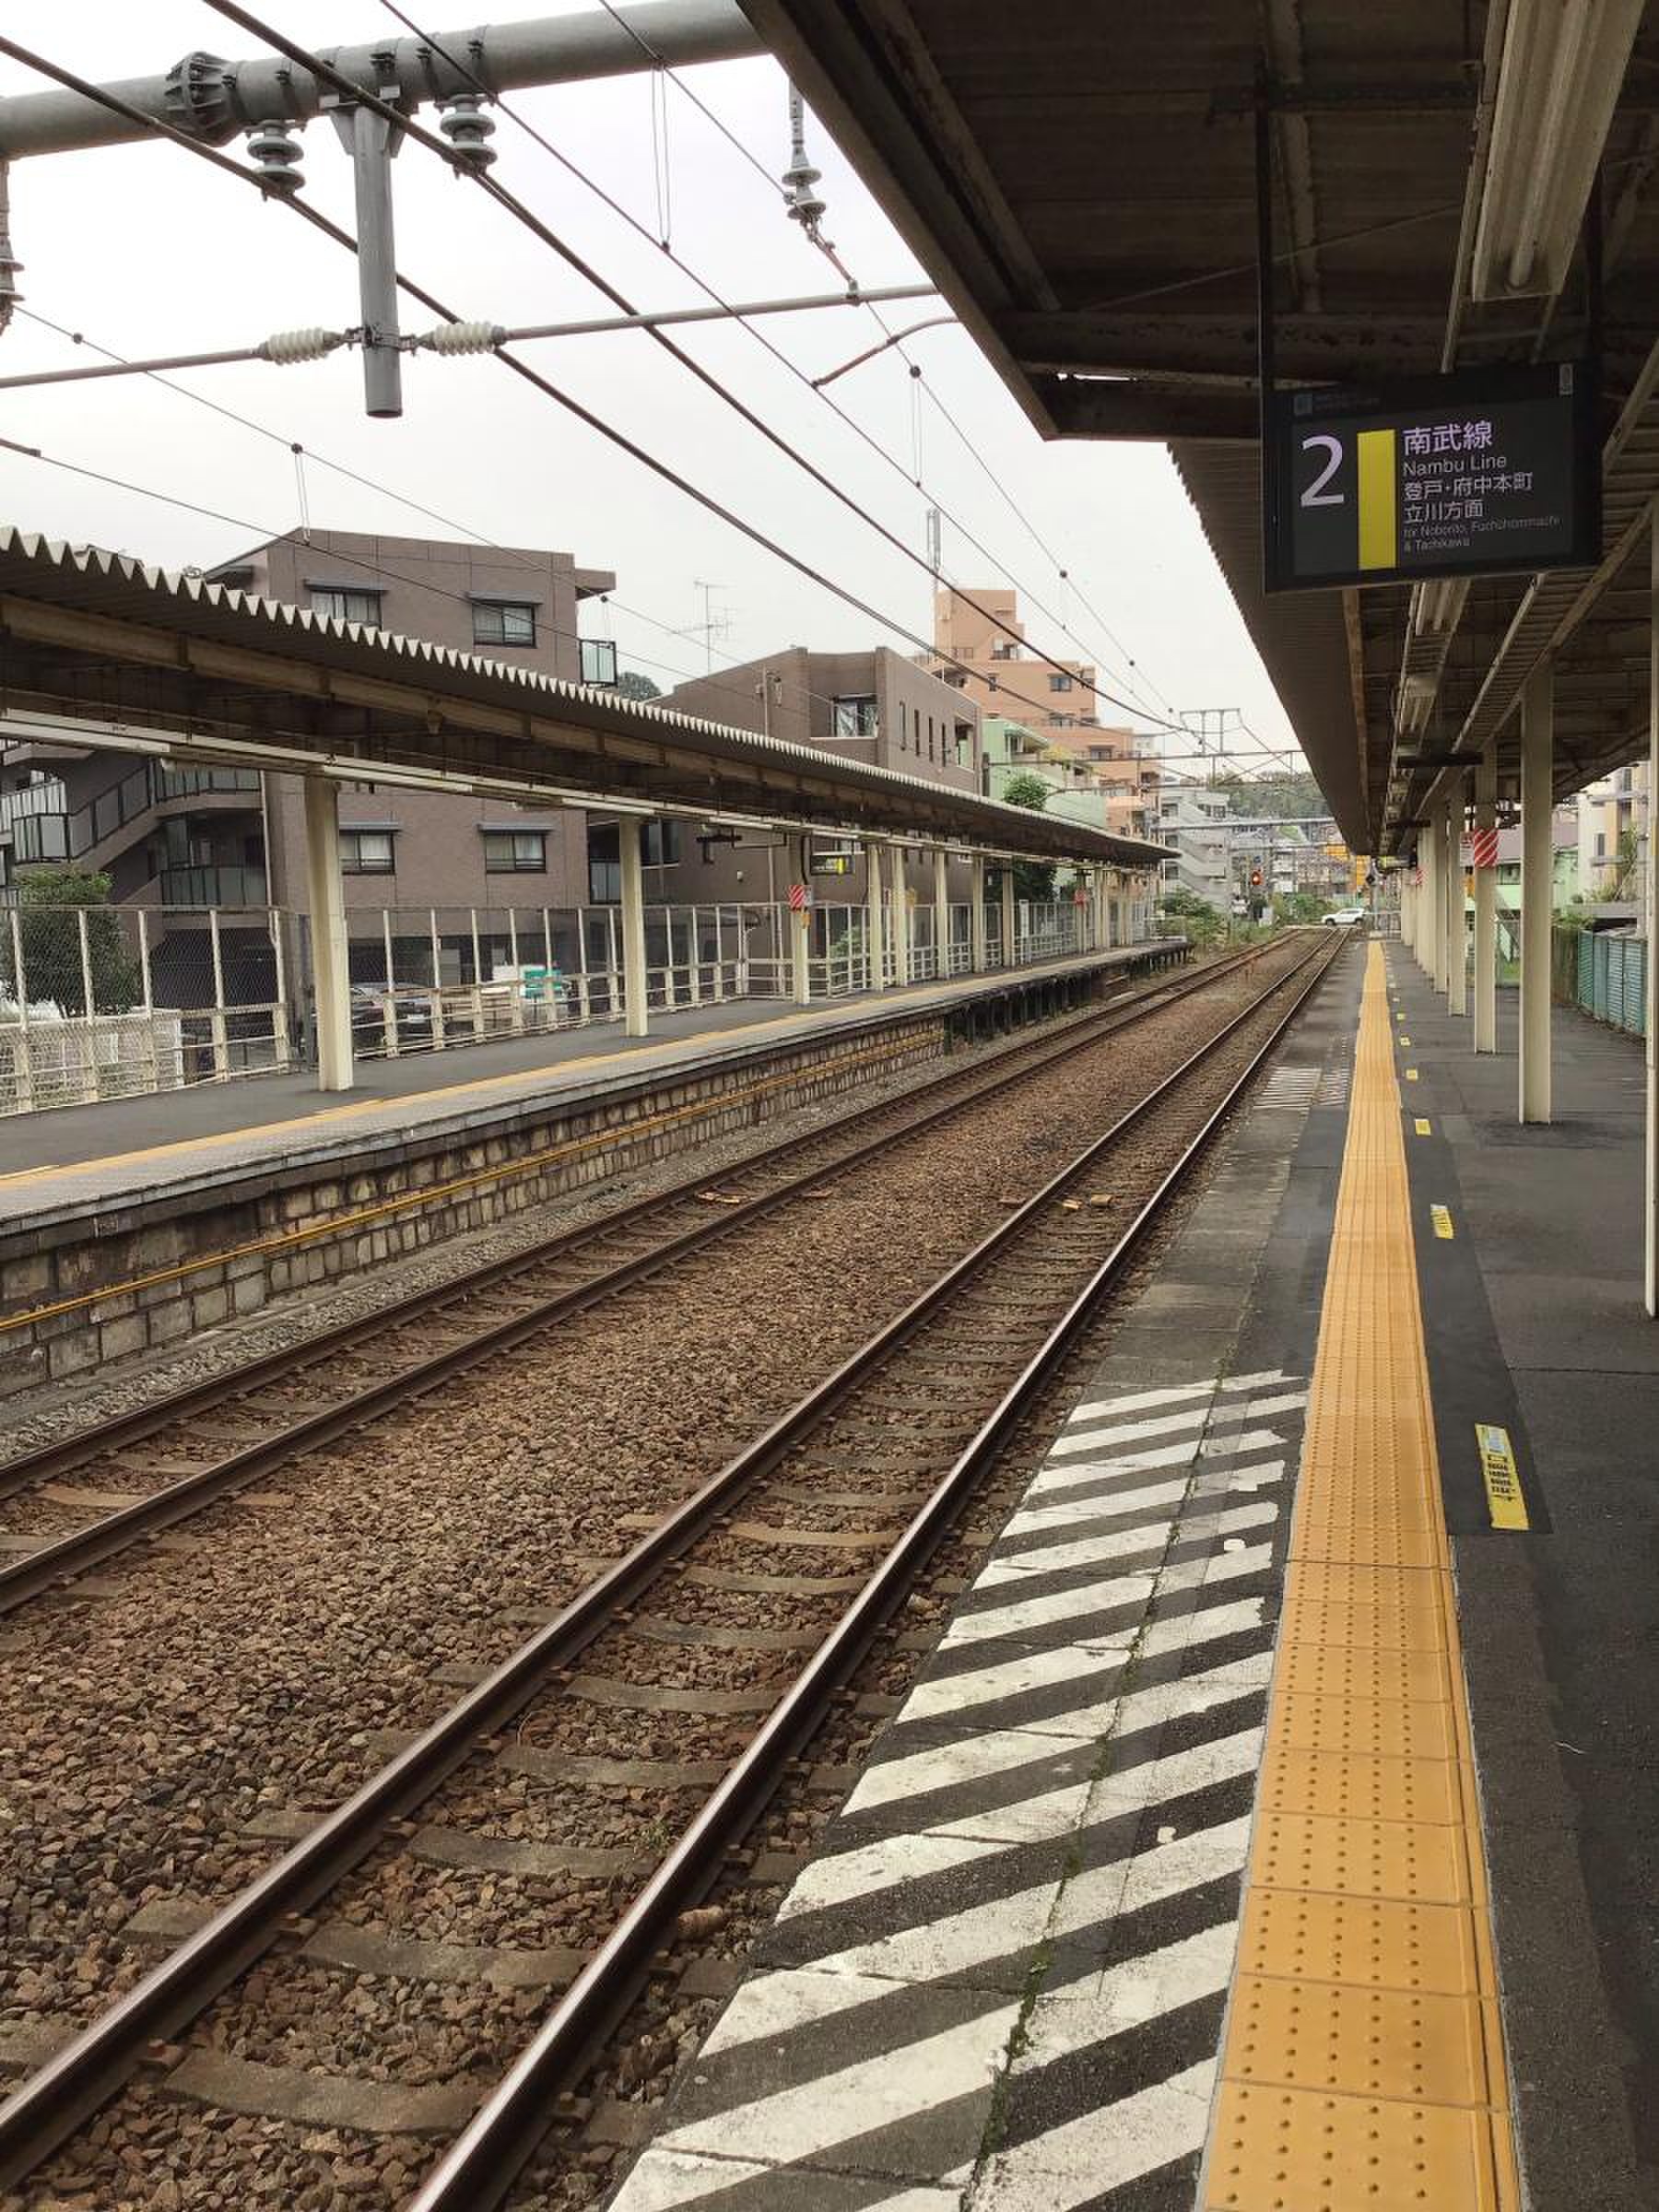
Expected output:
(876, 707)
(1002, 677)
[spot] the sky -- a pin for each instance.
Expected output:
(147, 250)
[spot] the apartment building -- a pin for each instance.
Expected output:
(1193, 819)
(1002, 677)
(876, 707)
(231, 838)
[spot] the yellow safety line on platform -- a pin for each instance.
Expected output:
(644, 1055)
(1363, 2059)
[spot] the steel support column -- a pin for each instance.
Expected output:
(1650, 1286)
(331, 976)
(874, 918)
(1538, 888)
(1435, 902)
(636, 1021)
(899, 899)
(941, 916)
(800, 931)
(1457, 922)
(1010, 920)
(979, 951)
(1486, 907)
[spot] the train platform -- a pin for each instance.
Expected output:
(76, 1160)
(1271, 1829)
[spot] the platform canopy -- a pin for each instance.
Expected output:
(1081, 183)
(95, 649)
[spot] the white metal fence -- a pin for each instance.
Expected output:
(108, 1002)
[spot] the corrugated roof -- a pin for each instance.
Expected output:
(86, 633)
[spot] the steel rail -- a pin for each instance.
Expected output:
(480, 2167)
(65, 1454)
(62, 1559)
(48, 2107)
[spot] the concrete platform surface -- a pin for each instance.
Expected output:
(127, 1149)
(1007, 1979)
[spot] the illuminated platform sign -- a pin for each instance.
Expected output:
(1477, 474)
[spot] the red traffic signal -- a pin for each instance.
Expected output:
(1255, 879)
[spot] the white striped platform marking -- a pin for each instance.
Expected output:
(948, 1766)
(1121, 1544)
(1136, 1434)
(1105, 2150)
(1084, 1492)
(1123, 1447)
(663, 2179)
(951, 1695)
(1175, 1393)
(1022, 1615)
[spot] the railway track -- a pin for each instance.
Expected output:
(160, 1465)
(944, 1384)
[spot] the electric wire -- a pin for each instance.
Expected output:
(710, 291)
(754, 161)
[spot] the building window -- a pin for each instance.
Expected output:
(503, 622)
(660, 844)
(1060, 683)
(1003, 649)
(855, 717)
(964, 745)
(346, 605)
(598, 660)
(515, 852)
(367, 853)
(604, 863)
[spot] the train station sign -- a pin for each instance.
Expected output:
(1482, 473)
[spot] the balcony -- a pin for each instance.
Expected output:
(227, 887)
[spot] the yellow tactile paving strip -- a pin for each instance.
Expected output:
(1362, 2064)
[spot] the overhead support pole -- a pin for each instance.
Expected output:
(331, 980)
(372, 142)
(1434, 885)
(899, 901)
(636, 1019)
(215, 100)
(1457, 922)
(978, 949)
(800, 931)
(1650, 1289)
(1486, 901)
(941, 916)
(1010, 920)
(1538, 888)
(875, 916)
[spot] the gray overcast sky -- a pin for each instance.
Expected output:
(149, 252)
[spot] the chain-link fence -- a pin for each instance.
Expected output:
(101, 1001)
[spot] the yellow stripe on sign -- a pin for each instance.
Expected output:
(1378, 538)
(1420, 1125)
(1441, 1219)
(1504, 1500)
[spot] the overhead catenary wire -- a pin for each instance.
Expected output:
(754, 161)
(304, 57)
(801, 376)
(301, 452)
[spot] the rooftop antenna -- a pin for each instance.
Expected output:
(712, 625)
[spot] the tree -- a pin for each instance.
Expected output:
(1286, 797)
(52, 952)
(1300, 906)
(630, 684)
(1199, 922)
(1032, 879)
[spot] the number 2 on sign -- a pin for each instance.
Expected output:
(1316, 495)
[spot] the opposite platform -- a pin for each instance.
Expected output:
(72, 1158)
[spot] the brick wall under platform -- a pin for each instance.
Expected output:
(82, 1293)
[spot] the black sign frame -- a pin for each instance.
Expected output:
(1293, 413)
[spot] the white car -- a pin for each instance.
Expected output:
(1342, 917)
